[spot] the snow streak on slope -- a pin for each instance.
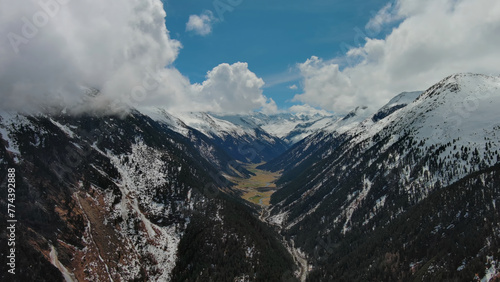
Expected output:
(142, 173)
(128, 207)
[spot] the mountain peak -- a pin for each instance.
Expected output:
(470, 82)
(396, 103)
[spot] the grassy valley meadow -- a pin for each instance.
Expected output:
(258, 188)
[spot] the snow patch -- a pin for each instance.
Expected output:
(493, 271)
(63, 128)
(68, 276)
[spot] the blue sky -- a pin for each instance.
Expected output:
(271, 36)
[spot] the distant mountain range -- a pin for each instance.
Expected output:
(407, 193)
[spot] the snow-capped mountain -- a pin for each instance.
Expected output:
(324, 138)
(104, 198)
(290, 127)
(243, 142)
(392, 191)
(266, 136)
(396, 103)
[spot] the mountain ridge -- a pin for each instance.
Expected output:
(374, 173)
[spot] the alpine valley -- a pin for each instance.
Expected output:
(405, 193)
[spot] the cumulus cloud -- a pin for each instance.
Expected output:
(232, 89)
(54, 52)
(269, 107)
(202, 24)
(293, 87)
(434, 39)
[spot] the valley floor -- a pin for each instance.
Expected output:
(258, 188)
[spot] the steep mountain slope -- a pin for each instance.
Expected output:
(103, 198)
(396, 103)
(371, 183)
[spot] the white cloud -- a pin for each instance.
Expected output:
(120, 47)
(202, 24)
(270, 107)
(387, 15)
(232, 89)
(434, 39)
(50, 51)
(293, 87)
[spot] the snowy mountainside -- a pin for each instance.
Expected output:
(212, 126)
(206, 144)
(459, 110)
(365, 181)
(266, 136)
(104, 198)
(97, 208)
(396, 103)
(242, 142)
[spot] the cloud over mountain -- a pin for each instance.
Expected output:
(53, 51)
(430, 39)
